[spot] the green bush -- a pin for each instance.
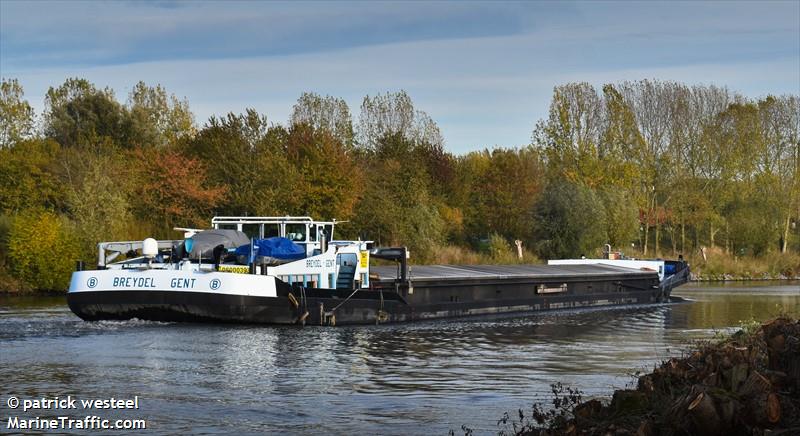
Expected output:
(501, 251)
(42, 250)
(571, 221)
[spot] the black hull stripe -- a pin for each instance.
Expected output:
(224, 308)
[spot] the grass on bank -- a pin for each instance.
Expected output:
(718, 265)
(496, 253)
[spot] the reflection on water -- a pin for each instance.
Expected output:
(401, 379)
(721, 305)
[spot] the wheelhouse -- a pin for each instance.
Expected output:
(301, 230)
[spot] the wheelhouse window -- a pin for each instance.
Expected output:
(296, 232)
(252, 230)
(272, 230)
(328, 231)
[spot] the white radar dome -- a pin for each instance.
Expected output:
(149, 248)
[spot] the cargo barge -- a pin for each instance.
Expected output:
(290, 270)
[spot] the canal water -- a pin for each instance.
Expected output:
(424, 378)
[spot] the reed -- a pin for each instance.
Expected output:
(718, 265)
(494, 255)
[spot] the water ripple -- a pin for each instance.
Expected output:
(396, 379)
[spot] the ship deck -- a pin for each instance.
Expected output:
(508, 272)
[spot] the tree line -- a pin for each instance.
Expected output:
(656, 167)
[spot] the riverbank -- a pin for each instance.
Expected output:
(745, 384)
(14, 286)
(725, 277)
(716, 265)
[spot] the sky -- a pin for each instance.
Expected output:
(484, 71)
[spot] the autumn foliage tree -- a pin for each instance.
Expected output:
(329, 181)
(699, 162)
(157, 119)
(16, 114)
(42, 249)
(497, 191)
(26, 176)
(172, 189)
(77, 114)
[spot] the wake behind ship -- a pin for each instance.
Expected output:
(291, 270)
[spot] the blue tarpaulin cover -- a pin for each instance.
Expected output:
(275, 248)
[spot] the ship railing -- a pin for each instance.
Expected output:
(108, 251)
(268, 220)
(681, 276)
